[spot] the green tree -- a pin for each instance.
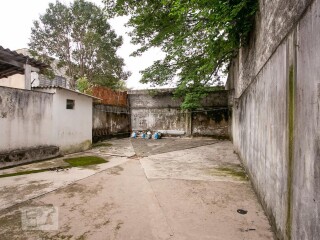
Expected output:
(199, 38)
(84, 86)
(82, 40)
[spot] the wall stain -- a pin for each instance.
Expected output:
(291, 151)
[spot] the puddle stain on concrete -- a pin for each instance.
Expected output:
(115, 170)
(25, 189)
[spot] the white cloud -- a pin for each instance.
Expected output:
(134, 64)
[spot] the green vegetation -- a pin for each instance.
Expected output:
(239, 173)
(82, 41)
(291, 150)
(84, 86)
(84, 161)
(199, 38)
(73, 162)
(233, 171)
(25, 172)
(101, 144)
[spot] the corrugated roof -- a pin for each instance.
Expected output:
(59, 87)
(9, 58)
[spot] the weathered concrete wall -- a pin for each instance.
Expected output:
(157, 110)
(35, 125)
(26, 118)
(72, 128)
(110, 121)
(111, 117)
(306, 132)
(211, 123)
(275, 123)
(25, 126)
(273, 23)
(260, 135)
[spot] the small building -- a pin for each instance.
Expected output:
(41, 122)
(71, 118)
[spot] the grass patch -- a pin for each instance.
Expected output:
(84, 161)
(101, 144)
(30, 172)
(73, 162)
(239, 173)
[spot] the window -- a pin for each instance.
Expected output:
(70, 104)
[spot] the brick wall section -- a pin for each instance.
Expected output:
(110, 97)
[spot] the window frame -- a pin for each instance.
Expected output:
(70, 104)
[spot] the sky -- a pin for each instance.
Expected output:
(16, 20)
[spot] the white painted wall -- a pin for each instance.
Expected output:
(25, 119)
(14, 81)
(72, 128)
(37, 118)
(17, 81)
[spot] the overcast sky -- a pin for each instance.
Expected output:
(17, 16)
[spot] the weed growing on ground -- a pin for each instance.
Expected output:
(84, 161)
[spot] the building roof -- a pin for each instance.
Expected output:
(12, 63)
(59, 87)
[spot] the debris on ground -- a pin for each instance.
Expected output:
(241, 211)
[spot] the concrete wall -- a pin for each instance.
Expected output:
(275, 124)
(25, 125)
(72, 128)
(110, 121)
(210, 123)
(35, 125)
(274, 22)
(25, 118)
(111, 116)
(306, 131)
(157, 110)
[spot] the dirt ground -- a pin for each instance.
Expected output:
(150, 189)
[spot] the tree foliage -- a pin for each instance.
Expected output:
(199, 38)
(82, 40)
(84, 86)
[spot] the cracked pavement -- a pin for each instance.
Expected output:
(149, 189)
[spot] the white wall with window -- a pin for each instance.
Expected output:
(71, 119)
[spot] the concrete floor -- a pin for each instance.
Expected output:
(150, 189)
